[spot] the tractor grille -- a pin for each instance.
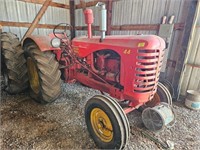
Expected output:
(148, 65)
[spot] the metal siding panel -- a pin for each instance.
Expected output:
(195, 48)
(192, 57)
(194, 79)
(12, 15)
(22, 17)
(187, 73)
(197, 59)
(17, 11)
(4, 16)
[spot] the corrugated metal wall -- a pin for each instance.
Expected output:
(191, 73)
(136, 12)
(16, 11)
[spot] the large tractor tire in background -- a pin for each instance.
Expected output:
(44, 74)
(13, 64)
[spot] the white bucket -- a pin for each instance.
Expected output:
(192, 100)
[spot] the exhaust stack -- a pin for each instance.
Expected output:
(103, 19)
(89, 19)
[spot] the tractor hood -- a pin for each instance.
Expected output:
(83, 45)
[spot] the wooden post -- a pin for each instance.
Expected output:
(183, 46)
(109, 16)
(72, 18)
(0, 28)
(0, 36)
(37, 19)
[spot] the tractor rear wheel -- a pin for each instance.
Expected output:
(13, 64)
(44, 74)
(106, 123)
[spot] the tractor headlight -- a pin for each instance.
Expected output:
(55, 42)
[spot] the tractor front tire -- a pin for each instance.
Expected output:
(13, 64)
(44, 74)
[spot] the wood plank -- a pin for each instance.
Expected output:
(37, 18)
(177, 26)
(82, 5)
(27, 25)
(90, 4)
(194, 66)
(53, 4)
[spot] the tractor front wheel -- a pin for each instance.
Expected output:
(44, 74)
(106, 123)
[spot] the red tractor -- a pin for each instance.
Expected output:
(125, 67)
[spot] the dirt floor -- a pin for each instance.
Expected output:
(26, 124)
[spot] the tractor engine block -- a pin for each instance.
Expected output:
(107, 63)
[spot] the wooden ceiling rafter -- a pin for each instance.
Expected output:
(53, 4)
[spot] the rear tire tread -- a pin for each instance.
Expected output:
(48, 72)
(14, 63)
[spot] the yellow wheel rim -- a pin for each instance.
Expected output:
(33, 75)
(101, 125)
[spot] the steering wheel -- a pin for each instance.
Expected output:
(63, 33)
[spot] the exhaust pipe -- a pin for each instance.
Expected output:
(103, 19)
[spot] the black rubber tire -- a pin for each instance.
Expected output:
(120, 129)
(48, 73)
(167, 94)
(163, 94)
(13, 64)
(168, 85)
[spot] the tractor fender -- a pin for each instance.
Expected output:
(43, 42)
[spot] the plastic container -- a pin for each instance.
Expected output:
(192, 100)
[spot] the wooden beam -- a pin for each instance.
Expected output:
(194, 66)
(72, 18)
(136, 27)
(109, 17)
(144, 27)
(82, 5)
(53, 4)
(0, 35)
(184, 44)
(91, 3)
(178, 26)
(37, 18)
(27, 25)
